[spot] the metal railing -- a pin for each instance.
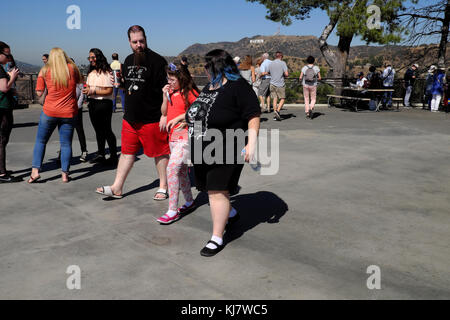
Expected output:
(294, 88)
(26, 86)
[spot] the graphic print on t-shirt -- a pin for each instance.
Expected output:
(199, 112)
(135, 75)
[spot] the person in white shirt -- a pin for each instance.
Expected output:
(117, 66)
(361, 82)
(309, 77)
(263, 91)
(388, 83)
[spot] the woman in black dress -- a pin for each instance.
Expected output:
(226, 108)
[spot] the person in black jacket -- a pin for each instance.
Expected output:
(7, 80)
(410, 78)
(373, 82)
(184, 64)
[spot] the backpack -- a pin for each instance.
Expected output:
(310, 76)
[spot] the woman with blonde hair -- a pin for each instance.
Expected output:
(60, 76)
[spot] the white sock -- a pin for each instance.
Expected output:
(171, 213)
(233, 212)
(188, 203)
(218, 240)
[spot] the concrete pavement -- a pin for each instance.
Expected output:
(353, 190)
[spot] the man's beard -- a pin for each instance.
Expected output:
(139, 57)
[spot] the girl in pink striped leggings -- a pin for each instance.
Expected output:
(178, 95)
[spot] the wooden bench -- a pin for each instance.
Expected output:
(356, 99)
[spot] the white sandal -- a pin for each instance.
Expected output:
(161, 191)
(107, 191)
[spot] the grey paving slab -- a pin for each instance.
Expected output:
(353, 190)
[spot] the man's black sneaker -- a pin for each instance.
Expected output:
(83, 157)
(7, 178)
(111, 161)
(98, 159)
(310, 114)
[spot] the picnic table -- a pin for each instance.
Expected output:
(355, 95)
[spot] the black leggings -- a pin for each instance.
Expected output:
(100, 112)
(6, 124)
(80, 130)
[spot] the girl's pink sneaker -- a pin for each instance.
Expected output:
(165, 219)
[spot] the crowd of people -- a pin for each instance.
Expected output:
(170, 119)
(436, 85)
(267, 78)
(165, 116)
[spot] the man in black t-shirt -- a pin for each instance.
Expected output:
(143, 77)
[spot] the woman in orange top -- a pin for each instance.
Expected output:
(60, 75)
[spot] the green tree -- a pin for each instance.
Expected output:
(350, 18)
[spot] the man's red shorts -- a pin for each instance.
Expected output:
(148, 136)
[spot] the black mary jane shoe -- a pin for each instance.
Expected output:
(207, 252)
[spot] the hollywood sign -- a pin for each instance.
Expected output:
(257, 41)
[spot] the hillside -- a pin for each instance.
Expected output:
(297, 48)
(27, 68)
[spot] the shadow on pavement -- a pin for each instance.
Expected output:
(316, 115)
(25, 125)
(287, 116)
(154, 184)
(202, 197)
(255, 208)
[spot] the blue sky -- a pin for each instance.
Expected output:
(34, 27)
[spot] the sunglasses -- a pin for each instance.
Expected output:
(91, 58)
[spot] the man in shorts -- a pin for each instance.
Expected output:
(263, 90)
(278, 71)
(143, 77)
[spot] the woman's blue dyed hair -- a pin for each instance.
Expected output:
(220, 64)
